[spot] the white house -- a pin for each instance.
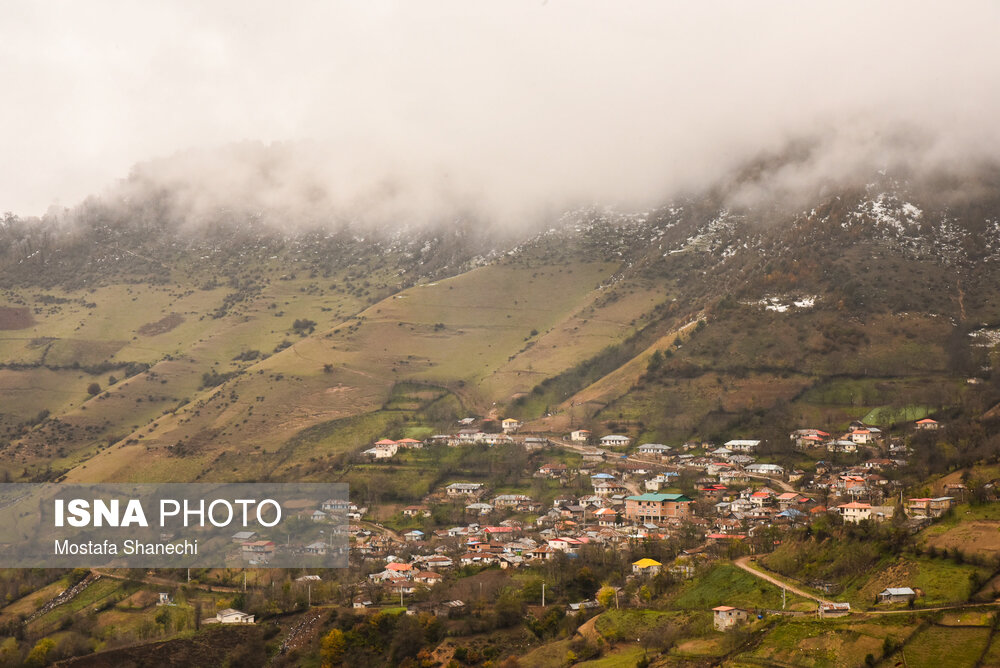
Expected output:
(657, 449)
(855, 511)
(510, 425)
(613, 440)
(742, 445)
(764, 469)
(580, 436)
(860, 436)
(231, 616)
(383, 449)
(463, 488)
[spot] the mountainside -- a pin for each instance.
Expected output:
(192, 344)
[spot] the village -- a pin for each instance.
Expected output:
(735, 507)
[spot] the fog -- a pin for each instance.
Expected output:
(509, 109)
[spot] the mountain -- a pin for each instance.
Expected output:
(237, 345)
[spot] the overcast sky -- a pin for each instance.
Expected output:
(534, 102)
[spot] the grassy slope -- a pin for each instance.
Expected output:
(466, 332)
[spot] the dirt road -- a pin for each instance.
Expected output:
(744, 563)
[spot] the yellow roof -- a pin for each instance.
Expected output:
(646, 563)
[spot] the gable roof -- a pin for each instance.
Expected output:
(658, 497)
(646, 563)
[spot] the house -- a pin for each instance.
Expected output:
(928, 424)
(243, 536)
(653, 507)
(765, 469)
(510, 425)
(728, 617)
(593, 456)
(496, 439)
(646, 567)
(463, 488)
(743, 445)
(604, 488)
(542, 553)
(230, 616)
(896, 595)
(317, 516)
(383, 449)
(855, 512)
(580, 436)
(808, 438)
(552, 470)
(414, 511)
(410, 443)
(337, 506)
(660, 481)
(860, 436)
(654, 449)
(479, 508)
(615, 440)
(532, 443)
(606, 517)
(413, 536)
(790, 499)
(842, 445)
(510, 500)
(582, 606)
(428, 577)
(438, 561)
(830, 609)
(929, 507)
(319, 547)
(259, 550)
(401, 587)
(449, 609)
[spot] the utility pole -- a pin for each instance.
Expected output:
(189, 574)
(309, 595)
(244, 580)
(783, 592)
(543, 594)
(616, 599)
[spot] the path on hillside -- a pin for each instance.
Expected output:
(777, 481)
(375, 526)
(743, 562)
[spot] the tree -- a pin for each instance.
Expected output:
(163, 619)
(39, 654)
(407, 639)
(93, 389)
(332, 647)
(509, 609)
(606, 596)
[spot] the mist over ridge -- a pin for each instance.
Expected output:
(509, 114)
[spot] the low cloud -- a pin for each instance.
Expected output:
(510, 111)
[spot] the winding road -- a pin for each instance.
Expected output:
(744, 563)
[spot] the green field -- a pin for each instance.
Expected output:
(938, 646)
(726, 584)
(815, 643)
